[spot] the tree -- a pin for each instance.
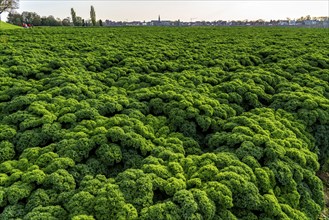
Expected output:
(6, 5)
(50, 21)
(93, 15)
(66, 21)
(100, 22)
(79, 21)
(31, 18)
(15, 18)
(36, 21)
(74, 17)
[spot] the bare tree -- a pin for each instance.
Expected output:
(7, 5)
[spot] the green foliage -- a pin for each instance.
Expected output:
(7, 151)
(139, 123)
(6, 26)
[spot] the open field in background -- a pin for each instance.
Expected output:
(164, 123)
(6, 26)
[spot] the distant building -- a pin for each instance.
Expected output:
(310, 22)
(319, 22)
(156, 22)
(292, 22)
(159, 22)
(284, 22)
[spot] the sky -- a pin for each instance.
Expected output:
(185, 10)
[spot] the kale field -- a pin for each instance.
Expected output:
(163, 123)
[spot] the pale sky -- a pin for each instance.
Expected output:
(186, 10)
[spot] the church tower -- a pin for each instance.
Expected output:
(159, 20)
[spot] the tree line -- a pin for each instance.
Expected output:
(36, 20)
